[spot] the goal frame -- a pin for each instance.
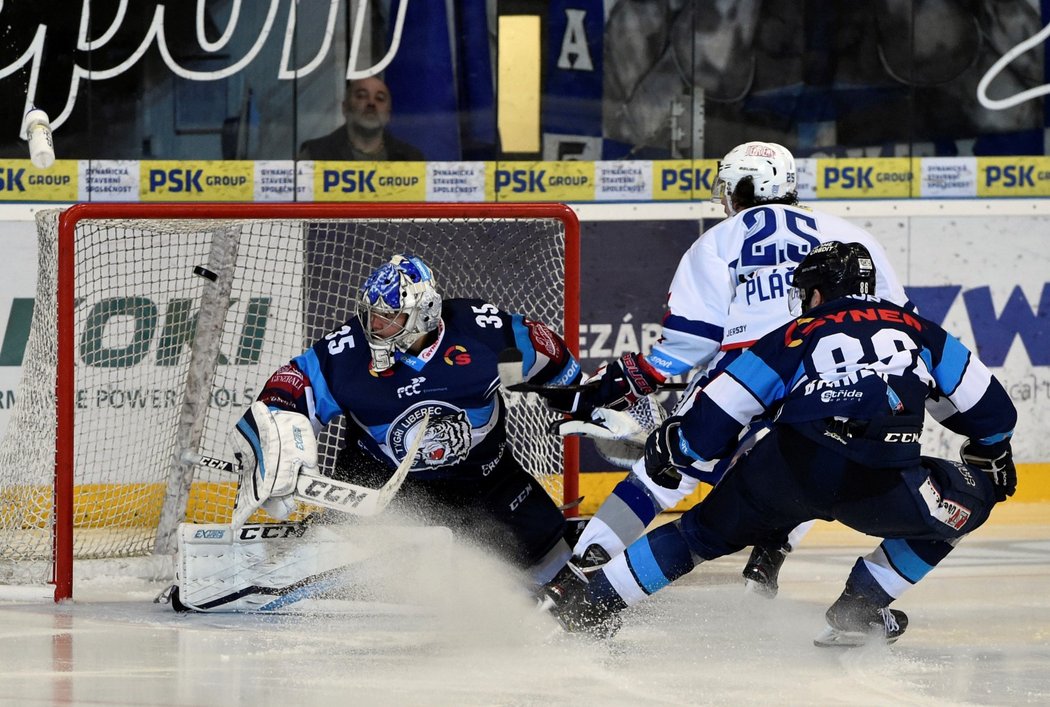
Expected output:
(63, 497)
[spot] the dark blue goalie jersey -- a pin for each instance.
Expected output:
(854, 374)
(455, 379)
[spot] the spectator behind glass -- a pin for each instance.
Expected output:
(364, 135)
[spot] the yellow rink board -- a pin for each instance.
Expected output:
(97, 505)
(1033, 485)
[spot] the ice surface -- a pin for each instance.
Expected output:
(463, 634)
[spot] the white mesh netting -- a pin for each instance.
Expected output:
(162, 365)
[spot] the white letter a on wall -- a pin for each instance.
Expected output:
(574, 51)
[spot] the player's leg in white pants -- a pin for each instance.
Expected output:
(796, 535)
(629, 510)
(624, 516)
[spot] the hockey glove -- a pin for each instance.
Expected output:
(618, 385)
(665, 455)
(997, 461)
(272, 446)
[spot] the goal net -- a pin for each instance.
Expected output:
(155, 326)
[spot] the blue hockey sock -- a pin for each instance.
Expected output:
(647, 566)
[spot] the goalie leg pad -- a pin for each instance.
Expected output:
(268, 567)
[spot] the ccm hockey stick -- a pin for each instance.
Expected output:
(319, 490)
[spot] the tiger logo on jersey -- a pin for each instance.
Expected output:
(446, 440)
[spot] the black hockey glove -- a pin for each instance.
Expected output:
(664, 455)
(618, 385)
(996, 460)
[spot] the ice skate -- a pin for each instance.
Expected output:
(855, 621)
(592, 558)
(565, 598)
(763, 568)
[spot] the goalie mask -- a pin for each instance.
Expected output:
(398, 304)
(836, 269)
(770, 166)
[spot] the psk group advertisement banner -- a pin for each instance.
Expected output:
(985, 278)
(562, 181)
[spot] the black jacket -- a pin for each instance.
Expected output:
(335, 146)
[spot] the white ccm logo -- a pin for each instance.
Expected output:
(92, 37)
(901, 437)
(412, 388)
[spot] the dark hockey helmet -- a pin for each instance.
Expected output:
(836, 269)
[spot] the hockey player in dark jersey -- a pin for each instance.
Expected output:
(405, 355)
(848, 382)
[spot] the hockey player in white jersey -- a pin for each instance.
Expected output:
(730, 288)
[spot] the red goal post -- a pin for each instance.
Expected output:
(142, 345)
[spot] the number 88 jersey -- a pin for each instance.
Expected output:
(856, 359)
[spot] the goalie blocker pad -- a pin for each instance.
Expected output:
(273, 446)
(271, 566)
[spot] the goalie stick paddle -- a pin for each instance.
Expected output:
(319, 490)
(512, 379)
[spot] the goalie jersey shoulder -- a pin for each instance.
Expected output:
(455, 376)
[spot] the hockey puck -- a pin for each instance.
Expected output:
(204, 272)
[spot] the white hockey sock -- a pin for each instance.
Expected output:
(796, 535)
(617, 524)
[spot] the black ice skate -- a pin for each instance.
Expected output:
(856, 621)
(763, 568)
(592, 559)
(565, 598)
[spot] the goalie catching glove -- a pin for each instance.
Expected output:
(273, 446)
(997, 461)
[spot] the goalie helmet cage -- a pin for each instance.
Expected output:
(155, 326)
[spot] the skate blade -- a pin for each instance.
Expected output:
(834, 638)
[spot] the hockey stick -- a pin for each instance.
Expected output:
(310, 587)
(511, 378)
(319, 490)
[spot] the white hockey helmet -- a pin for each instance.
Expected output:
(405, 285)
(770, 166)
